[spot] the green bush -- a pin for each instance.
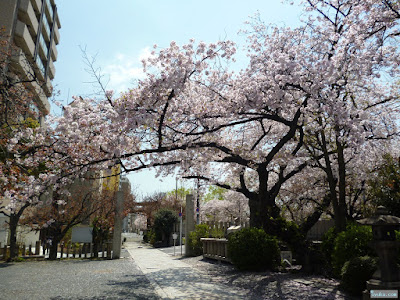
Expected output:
(287, 231)
(217, 233)
(356, 272)
(353, 242)
(149, 237)
(164, 221)
(196, 246)
(253, 249)
(202, 231)
(328, 243)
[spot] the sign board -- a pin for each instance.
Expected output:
(174, 236)
(81, 235)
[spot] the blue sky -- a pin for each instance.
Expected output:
(121, 32)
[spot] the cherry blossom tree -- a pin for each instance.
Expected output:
(314, 96)
(355, 107)
(233, 206)
(140, 222)
(20, 136)
(321, 81)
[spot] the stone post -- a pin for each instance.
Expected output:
(387, 277)
(119, 206)
(37, 248)
(189, 222)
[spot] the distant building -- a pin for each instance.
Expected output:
(33, 25)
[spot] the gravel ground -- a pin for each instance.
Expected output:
(270, 285)
(74, 279)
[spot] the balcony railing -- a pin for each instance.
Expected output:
(46, 27)
(50, 8)
(43, 44)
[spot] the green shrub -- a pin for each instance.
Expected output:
(217, 233)
(253, 249)
(356, 272)
(290, 236)
(287, 231)
(328, 243)
(149, 237)
(164, 221)
(196, 246)
(353, 242)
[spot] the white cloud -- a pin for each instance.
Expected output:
(124, 70)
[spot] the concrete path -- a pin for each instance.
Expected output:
(174, 279)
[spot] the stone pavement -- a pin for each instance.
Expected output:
(174, 279)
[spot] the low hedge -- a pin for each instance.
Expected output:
(253, 249)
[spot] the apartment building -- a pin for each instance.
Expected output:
(33, 26)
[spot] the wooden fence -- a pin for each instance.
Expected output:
(70, 250)
(317, 231)
(223, 226)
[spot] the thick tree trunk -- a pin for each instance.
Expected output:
(95, 242)
(261, 211)
(340, 215)
(13, 223)
(314, 217)
(13, 236)
(53, 249)
(57, 234)
(337, 204)
(262, 204)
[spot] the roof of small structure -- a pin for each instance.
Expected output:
(381, 218)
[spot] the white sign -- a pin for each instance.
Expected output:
(174, 236)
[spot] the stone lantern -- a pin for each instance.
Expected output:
(387, 277)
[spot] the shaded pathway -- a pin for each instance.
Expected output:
(174, 279)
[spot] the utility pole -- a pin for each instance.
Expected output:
(180, 214)
(198, 202)
(189, 222)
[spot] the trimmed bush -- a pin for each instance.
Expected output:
(353, 242)
(328, 243)
(149, 237)
(289, 236)
(287, 231)
(200, 231)
(253, 249)
(356, 272)
(164, 221)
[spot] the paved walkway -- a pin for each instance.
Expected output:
(174, 279)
